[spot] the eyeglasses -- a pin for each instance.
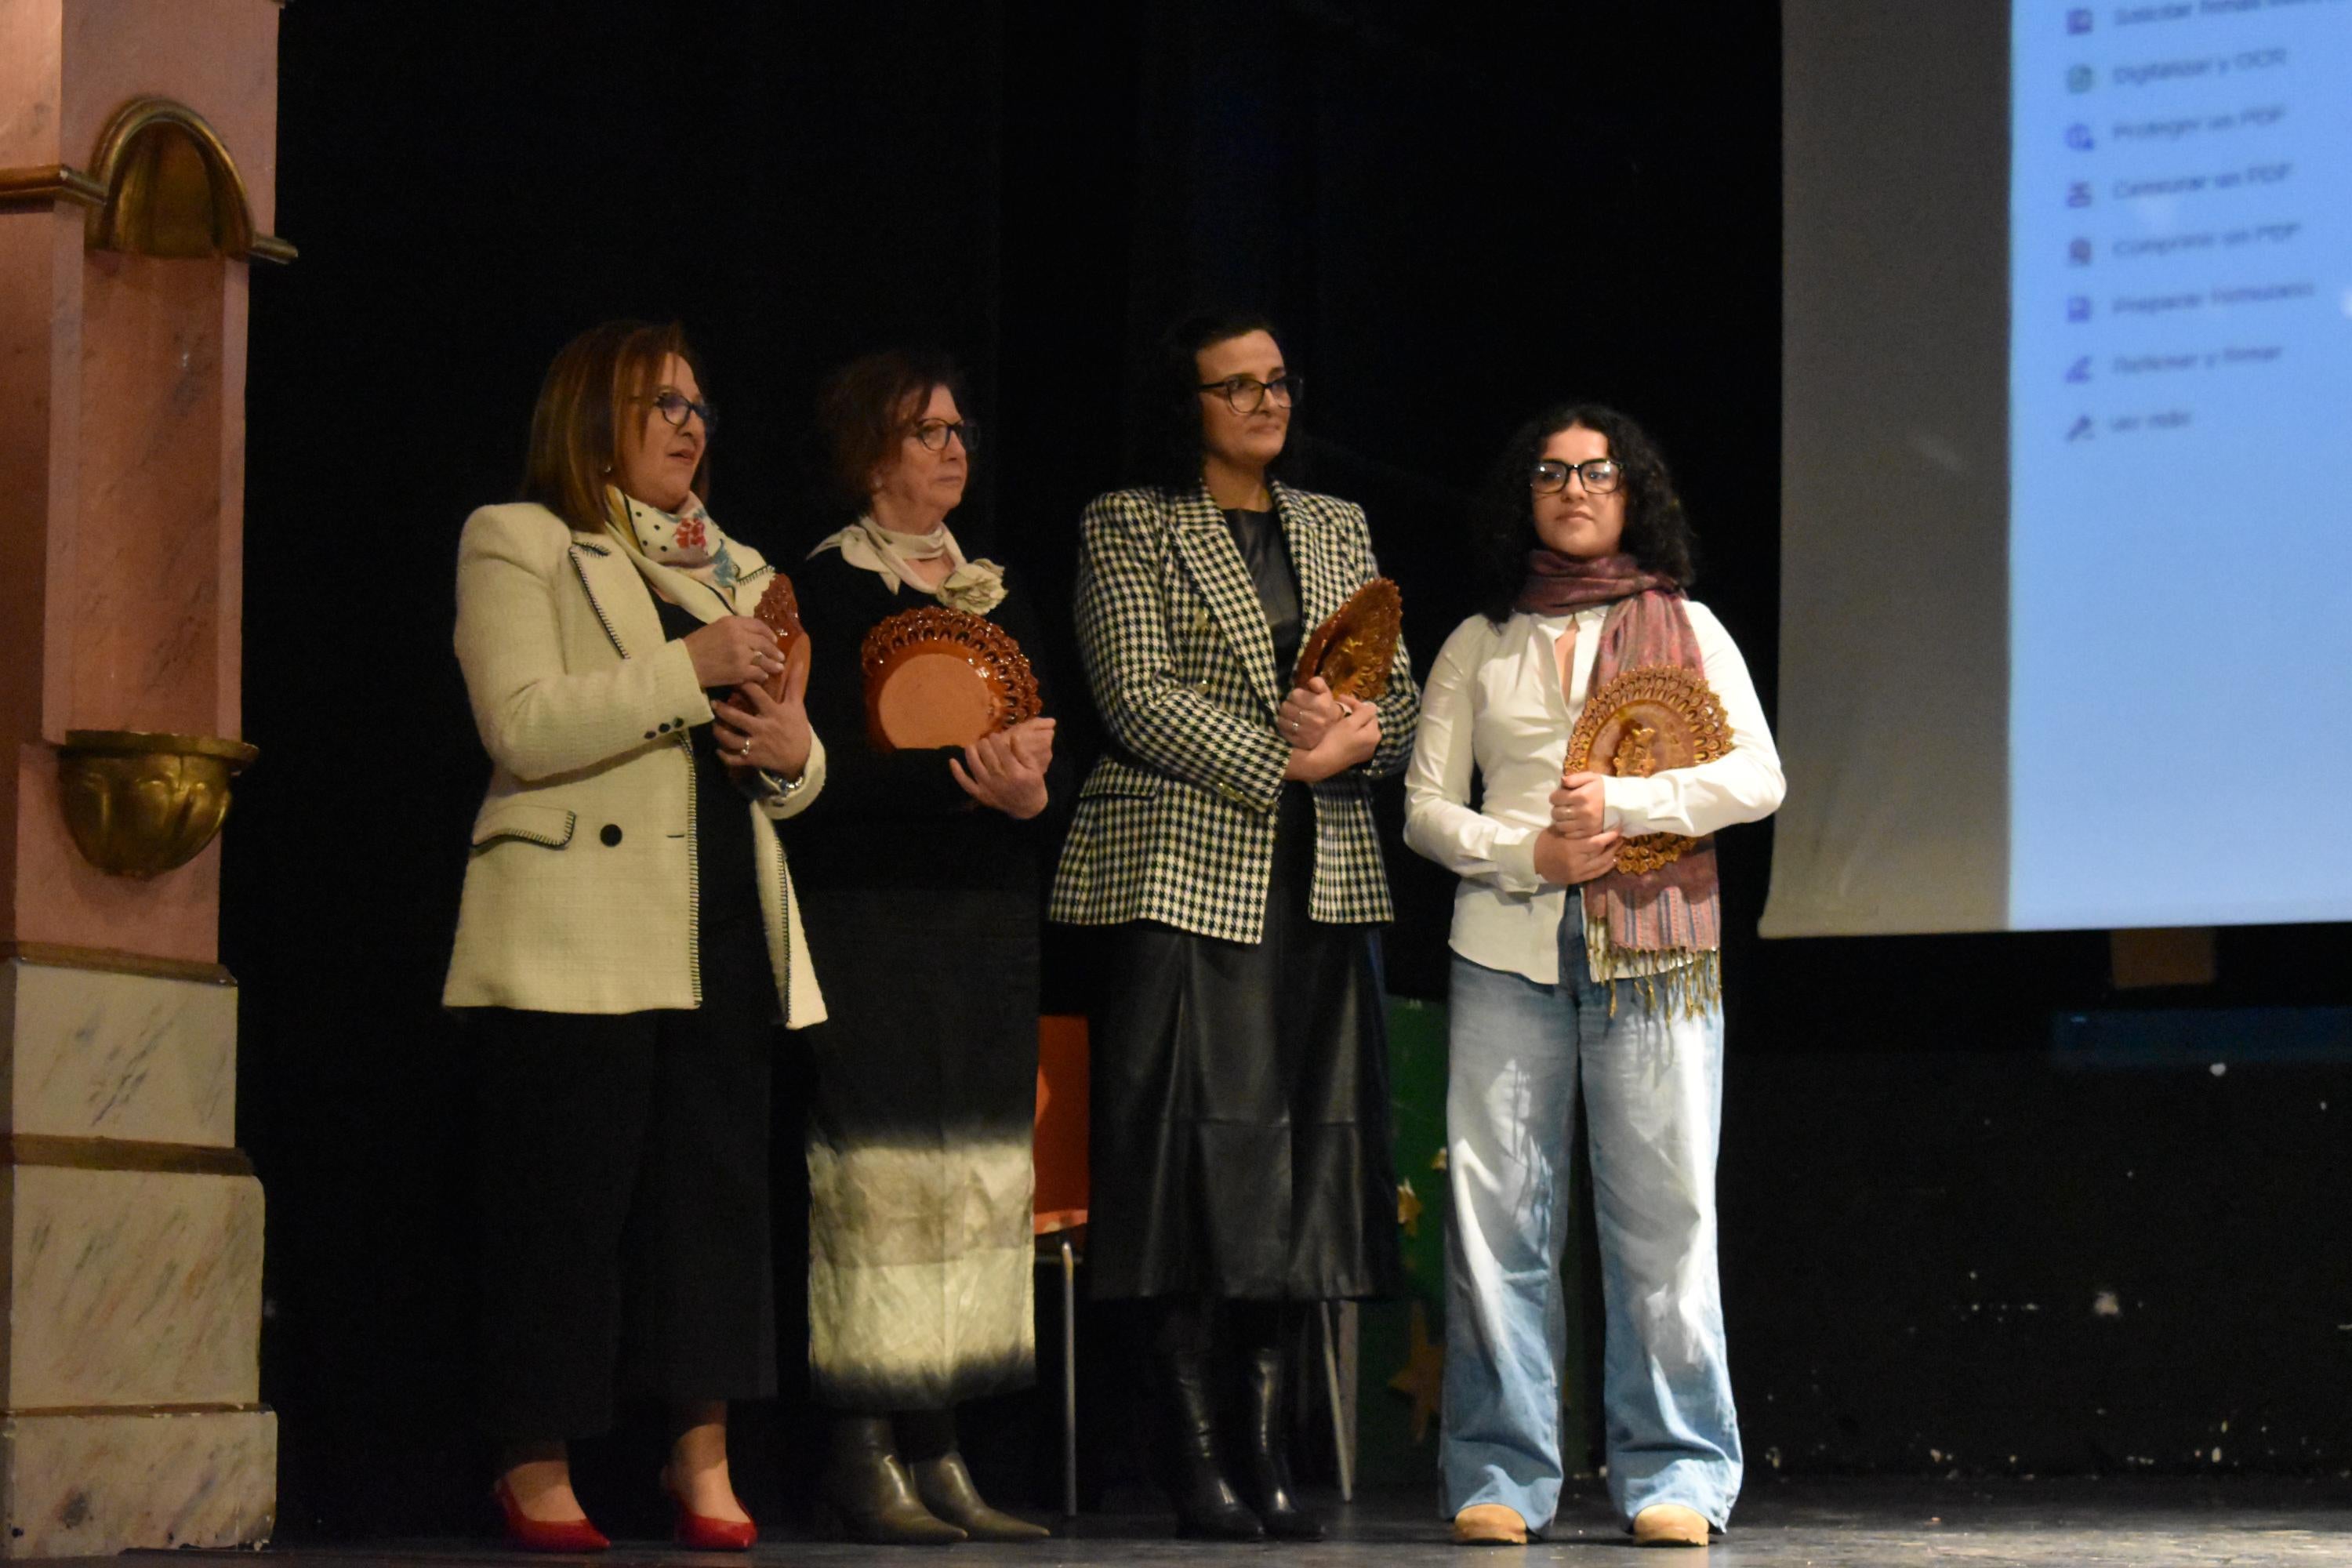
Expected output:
(1246, 395)
(934, 433)
(676, 405)
(1600, 475)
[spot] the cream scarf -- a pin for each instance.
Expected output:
(977, 586)
(686, 543)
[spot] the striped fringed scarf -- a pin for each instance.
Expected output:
(1661, 930)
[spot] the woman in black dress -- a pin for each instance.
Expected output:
(923, 872)
(1240, 1118)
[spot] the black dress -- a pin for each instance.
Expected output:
(922, 914)
(1240, 1090)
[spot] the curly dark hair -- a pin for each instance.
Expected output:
(1169, 442)
(862, 414)
(1657, 533)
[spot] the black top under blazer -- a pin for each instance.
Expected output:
(1176, 823)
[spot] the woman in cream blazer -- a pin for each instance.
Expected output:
(629, 939)
(591, 765)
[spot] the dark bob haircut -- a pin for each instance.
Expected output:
(1657, 533)
(866, 410)
(1169, 447)
(595, 384)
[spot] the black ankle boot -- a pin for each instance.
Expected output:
(928, 1442)
(1206, 1504)
(866, 1494)
(1266, 1463)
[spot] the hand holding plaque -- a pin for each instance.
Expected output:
(1005, 770)
(1644, 722)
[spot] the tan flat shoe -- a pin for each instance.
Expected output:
(1669, 1524)
(1491, 1524)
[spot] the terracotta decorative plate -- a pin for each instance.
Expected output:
(780, 609)
(1644, 722)
(935, 676)
(1353, 649)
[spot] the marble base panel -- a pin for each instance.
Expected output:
(131, 1287)
(90, 1484)
(87, 1053)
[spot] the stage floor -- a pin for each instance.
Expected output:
(2142, 1520)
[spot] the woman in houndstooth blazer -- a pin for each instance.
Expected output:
(1240, 1118)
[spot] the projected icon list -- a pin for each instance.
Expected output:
(2176, 185)
(2180, 362)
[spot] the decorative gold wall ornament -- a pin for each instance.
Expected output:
(139, 804)
(1641, 722)
(1353, 649)
(171, 189)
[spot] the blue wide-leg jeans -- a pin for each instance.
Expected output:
(1653, 1084)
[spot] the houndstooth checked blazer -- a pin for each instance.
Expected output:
(1177, 824)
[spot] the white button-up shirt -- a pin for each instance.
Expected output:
(1494, 703)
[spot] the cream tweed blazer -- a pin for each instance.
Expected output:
(580, 885)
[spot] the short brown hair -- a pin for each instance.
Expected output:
(862, 412)
(575, 427)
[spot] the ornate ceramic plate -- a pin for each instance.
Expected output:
(937, 677)
(1353, 649)
(1646, 721)
(780, 609)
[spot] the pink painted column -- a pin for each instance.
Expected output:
(137, 150)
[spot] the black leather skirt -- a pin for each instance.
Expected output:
(1241, 1144)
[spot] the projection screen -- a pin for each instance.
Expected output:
(2067, 448)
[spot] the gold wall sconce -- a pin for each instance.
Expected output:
(139, 804)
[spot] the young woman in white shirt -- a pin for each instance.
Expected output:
(1568, 969)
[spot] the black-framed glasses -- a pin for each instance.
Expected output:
(676, 405)
(1599, 474)
(934, 433)
(1247, 395)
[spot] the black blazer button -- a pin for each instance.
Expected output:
(649, 734)
(611, 836)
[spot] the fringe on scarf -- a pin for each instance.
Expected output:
(1689, 984)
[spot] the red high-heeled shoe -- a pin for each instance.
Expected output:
(528, 1534)
(700, 1532)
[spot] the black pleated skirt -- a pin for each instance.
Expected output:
(1240, 1135)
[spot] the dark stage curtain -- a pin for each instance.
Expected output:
(1458, 213)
